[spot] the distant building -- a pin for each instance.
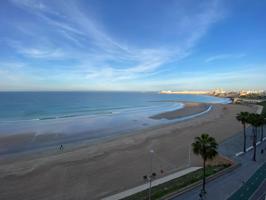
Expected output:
(251, 92)
(219, 92)
(248, 94)
(184, 92)
(241, 100)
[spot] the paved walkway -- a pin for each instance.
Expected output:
(154, 183)
(223, 187)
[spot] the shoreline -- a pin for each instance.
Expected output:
(189, 109)
(42, 142)
(86, 170)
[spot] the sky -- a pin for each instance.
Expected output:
(125, 45)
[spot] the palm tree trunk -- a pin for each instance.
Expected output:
(261, 135)
(245, 137)
(254, 143)
(204, 176)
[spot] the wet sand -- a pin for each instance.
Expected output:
(189, 109)
(23, 142)
(104, 168)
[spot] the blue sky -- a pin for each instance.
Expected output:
(138, 45)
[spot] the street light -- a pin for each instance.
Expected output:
(202, 194)
(149, 178)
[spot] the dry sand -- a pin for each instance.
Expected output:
(101, 169)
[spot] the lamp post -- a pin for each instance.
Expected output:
(189, 156)
(202, 194)
(149, 178)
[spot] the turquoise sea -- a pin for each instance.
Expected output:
(87, 115)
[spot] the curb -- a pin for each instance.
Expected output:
(198, 183)
(249, 148)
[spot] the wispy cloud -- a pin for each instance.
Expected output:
(36, 51)
(199, 23)
(233, 79)
(11, 65)
(73, 33)
(224, 56)
(40, 53)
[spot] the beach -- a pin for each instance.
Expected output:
(112, 165)
(190, 108)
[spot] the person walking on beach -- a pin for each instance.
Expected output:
(61, 147)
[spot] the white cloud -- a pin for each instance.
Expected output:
(11, 65)
(211, 79)
(36, 52)
(99, 48)
(40, 53)
(224, 56)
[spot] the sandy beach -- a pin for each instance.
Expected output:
(104, 168)
(189, 109)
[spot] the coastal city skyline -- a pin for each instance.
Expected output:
(132, 46)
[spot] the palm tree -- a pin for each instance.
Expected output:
(262, 122)
(243, 117)
(206, 147)
(254, 120)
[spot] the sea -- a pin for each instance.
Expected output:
(72, 116)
